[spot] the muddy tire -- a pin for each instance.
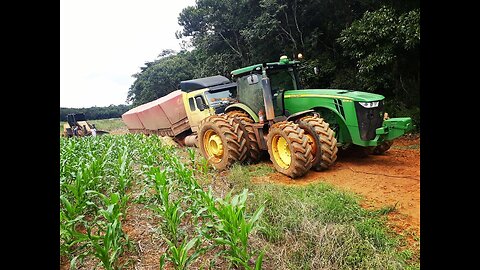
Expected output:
(289, 149)
(221, 141)
(322, 139)
(382, 148)
(254, 152)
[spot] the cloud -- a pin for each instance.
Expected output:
(103, 43)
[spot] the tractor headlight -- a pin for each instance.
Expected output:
(372, 104)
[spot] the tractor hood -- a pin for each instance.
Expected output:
(335, 93)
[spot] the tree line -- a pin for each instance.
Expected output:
(93, 113)
(364, 45)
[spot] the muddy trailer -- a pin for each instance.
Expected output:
(165, 116)
(179, 113)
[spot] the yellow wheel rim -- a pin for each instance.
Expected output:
(313, 144)
(212, 143)
(281, 152)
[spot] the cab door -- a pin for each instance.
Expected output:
(196, 107)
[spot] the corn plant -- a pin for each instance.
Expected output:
(203, 165)
(233, 228)
(170, 210)
(191, 155)
(179, 255)
(90, 206)
(110, 241)
(109, 244)
(123, 170)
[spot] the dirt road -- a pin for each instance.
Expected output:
(382, 180)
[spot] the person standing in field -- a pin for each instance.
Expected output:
(94, 130)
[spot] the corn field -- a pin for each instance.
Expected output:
(97, 175)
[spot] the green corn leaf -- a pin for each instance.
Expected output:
(258, 262)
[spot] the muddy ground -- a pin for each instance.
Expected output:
(391, 179)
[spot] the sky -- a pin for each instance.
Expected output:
(104, 42)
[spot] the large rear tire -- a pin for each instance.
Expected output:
(289, 149)
(322, 139)
(253, 147)
(222, 141)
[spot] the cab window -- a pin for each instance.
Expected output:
(191, 102)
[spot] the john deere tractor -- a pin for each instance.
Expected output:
(356, 118)
(259, 122)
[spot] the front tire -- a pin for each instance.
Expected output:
(323, 141)
(221, 141)
(289, 150)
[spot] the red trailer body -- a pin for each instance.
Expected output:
(165, 116)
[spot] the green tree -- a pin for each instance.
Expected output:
(354, 44)
(160, 77)
(385, 47)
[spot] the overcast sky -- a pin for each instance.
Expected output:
(104, 42)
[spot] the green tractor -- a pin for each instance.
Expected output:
(356, 118)
(259, 122)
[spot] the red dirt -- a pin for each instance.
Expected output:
(382, 180)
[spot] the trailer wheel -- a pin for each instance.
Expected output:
(382, 148)
(289, 149)
(253, 148)
(221, 141)
(322, 139)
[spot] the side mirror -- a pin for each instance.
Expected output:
(200, 104)
(252, 79)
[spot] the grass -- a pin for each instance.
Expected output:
(240, 175)
(103, 124)
(319, 227)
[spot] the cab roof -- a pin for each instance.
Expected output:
(258, 67)
(195, 84)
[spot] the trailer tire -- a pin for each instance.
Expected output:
(289, 150)
(324, 141)
(254, 152)
(221, 141)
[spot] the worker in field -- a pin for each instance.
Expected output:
(94, 130)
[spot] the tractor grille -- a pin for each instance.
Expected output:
(369, 119)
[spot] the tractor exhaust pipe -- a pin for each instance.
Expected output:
(267, 94)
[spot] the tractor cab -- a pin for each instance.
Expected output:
(261, 87)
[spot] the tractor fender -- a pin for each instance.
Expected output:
(341, 121)
(243, 107)
(297, 115)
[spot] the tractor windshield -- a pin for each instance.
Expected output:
(282, 80)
